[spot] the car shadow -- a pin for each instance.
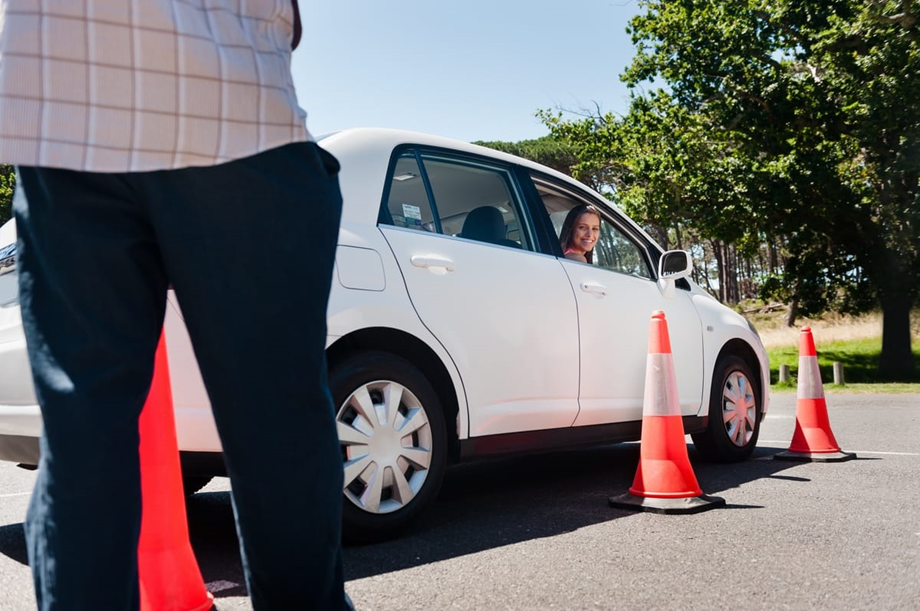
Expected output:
(482, 505)
(491, 504)
(13, 543)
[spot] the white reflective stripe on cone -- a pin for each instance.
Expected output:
(809, 385)
(661, 398)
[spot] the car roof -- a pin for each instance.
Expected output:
(365, 154)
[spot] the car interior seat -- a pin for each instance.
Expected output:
(486, 224)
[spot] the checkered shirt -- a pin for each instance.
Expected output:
(140, 85)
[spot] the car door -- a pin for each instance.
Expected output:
(616, 295)
(505, 313)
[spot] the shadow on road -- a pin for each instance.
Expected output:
(13, 543)
(492, 504)
(482, 506)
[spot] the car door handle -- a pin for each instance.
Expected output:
(594, 288)
(432, 261)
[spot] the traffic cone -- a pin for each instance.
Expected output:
(664, 482)
(813, 440)
(169, 576)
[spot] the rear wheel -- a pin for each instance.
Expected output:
(394, 443)
(734, 410)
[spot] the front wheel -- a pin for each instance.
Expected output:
(394, 444)
(734, 412)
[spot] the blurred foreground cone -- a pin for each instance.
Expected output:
(665, 482)
(169, 576)
(813, 440)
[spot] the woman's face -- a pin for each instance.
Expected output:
(585, 232)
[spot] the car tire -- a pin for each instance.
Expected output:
(394, 444)
(734, 412)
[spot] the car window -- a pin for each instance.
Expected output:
(408, 203)
(615, 249)
(468, 199)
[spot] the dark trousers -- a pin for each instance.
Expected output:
(248, 247)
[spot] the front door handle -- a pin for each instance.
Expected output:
(594, 288)
(432, 262)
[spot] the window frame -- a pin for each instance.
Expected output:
(523, 212)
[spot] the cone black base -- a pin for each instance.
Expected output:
(686, 505)
(815, 456)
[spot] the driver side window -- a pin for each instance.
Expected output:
(615, 250)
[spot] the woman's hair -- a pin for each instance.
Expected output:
(568, 227)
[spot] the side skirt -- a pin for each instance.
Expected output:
(562, 439)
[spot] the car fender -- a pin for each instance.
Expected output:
(721, 325)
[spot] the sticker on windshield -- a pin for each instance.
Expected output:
(413, 214)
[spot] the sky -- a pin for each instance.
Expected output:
(464, 69)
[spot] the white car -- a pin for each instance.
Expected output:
(458, 329)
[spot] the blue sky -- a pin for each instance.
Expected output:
(467, 69)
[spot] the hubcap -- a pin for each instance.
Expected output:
(386, 445)
(739, 409)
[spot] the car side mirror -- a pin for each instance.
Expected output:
(672, 266)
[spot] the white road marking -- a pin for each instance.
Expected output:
(884, 453)
(782, 443)
(220, 586)
(9, 496)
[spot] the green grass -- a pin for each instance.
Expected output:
(886, 388)
(860, 366)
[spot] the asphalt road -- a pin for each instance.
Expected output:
(537, 533)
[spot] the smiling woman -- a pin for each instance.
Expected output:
(580, 231)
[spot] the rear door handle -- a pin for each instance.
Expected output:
(594, 288)
(432, 261)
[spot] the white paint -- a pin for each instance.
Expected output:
(220, 586)
(857, 452)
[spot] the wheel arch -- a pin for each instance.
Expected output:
(415, 351)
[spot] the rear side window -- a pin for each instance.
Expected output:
(457, 197)
(408, 203)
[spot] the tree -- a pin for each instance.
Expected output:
(790, 122)
(7, 184)
(547, 150)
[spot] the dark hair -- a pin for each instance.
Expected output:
(568, 227)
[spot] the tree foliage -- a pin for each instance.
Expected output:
(7, 184)
(790, 125)
(547, 150)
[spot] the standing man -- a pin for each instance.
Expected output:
(159, 142)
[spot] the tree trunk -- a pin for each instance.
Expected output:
(792, 313)
(720, 268)
(897, 359)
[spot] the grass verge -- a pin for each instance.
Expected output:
(855, 342)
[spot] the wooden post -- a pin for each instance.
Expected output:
(838, 373)
(784, 373)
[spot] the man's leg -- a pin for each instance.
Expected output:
(249, 248)
(92, 292)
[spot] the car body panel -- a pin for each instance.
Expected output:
(517, 344)
(614, 344)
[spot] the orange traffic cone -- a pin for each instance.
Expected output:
(169, 576)
(665, 482)
(813, 440)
